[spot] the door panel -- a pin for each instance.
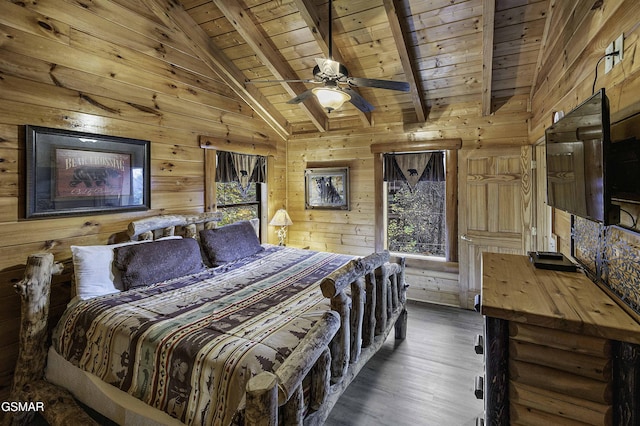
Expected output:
(494, 210)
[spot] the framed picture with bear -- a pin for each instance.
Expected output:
(327, 188)
(74, 173)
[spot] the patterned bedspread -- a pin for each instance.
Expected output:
(188, 346)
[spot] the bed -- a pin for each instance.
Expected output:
(204, 325)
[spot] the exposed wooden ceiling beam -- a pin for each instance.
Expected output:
(488, 20)
(399, 34)
(312, 19)
(173, 15)
(237, 14)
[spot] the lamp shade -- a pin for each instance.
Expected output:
(281, 218)
(330, 98)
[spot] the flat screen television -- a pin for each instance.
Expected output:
(577, 149)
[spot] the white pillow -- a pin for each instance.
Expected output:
(94, 271)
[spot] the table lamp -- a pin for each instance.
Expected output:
(281, 219)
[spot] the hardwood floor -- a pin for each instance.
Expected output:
(427, 379)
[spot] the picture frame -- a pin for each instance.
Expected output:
(76, 173)
(326, 188)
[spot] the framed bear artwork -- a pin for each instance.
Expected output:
(74, 173)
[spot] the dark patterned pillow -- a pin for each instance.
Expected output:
(158, 261)
(230, 242)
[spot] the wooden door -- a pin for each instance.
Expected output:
(494, 210)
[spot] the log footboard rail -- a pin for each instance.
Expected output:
(368, 298)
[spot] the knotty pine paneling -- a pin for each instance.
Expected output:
(109, 68)
(354, 231)
(567, 72)
(576, 40)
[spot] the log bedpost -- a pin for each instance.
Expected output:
(58, 405)
(293, 412)
(34, 290)
(267, 391)
(262, 400)
(293, 370)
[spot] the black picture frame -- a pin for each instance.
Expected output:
(75, 173)
(326, 188)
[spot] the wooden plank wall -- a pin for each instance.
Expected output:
(353, 231)
(576, 40)
(104, 68)
(107, 68)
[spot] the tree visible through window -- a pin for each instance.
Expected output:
(236, 204)
(239, 178)
(416, 220)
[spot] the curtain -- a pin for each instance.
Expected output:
(241, 168)
(414, 167)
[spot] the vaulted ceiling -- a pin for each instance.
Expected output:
(474, 52)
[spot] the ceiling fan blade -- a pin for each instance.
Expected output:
(301, 97)
(358, 101)
(380, 84)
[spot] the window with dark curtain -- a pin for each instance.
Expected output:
(238, 180)
(416, 202)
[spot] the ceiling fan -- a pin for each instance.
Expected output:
(336, 84)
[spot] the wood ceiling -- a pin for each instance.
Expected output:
(475, 52)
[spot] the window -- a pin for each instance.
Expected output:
(239, 186)
(415, 213)
(237, 204)
(415, 203)
(416, 218)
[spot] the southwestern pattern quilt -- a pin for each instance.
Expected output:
(188, 346)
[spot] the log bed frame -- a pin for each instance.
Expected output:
(367, 295)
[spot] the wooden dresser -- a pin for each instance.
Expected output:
(558, 350)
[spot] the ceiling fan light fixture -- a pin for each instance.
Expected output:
(330, 98)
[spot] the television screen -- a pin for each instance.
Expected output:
(577, 147)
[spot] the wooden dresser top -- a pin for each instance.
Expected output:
(514, 290)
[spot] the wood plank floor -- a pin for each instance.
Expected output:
(427, 379)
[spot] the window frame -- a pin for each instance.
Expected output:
(259, 202)
(211, 146)
(450, 147)
(387, 218)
